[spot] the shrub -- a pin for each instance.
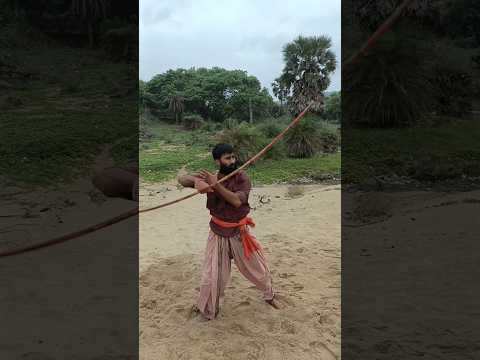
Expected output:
(245, 140)
(193, 122)
(453, 92)
(303, 141)
(210, 126)
(277, 110)
(207, 126)
(329, 139)
(278, 151)
(230, 123)
(270, 129)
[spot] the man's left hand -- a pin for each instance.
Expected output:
(210, 179)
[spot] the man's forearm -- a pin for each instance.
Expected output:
(229, 196)
(187, 180)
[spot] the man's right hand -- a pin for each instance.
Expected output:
(202, 186)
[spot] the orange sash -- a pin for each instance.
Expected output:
(249, 243)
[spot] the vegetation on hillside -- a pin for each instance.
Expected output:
(61, 105)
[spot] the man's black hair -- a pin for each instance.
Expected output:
(221, 149)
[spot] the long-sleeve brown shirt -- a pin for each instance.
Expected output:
(239, 184)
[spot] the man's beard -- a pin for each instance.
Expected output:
(225, 170)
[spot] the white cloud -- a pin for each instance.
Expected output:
(234, 34)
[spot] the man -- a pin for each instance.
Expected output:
(229, 236)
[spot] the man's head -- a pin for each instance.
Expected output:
(224, 157)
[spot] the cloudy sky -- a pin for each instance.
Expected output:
(234, 34)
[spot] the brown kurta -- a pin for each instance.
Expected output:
(239, 184)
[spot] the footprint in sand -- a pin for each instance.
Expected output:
(284, 300)
(149, 304)
(178, 277)
(288, 327)
(298, 287)
(242, 304)
(325, 319)
(271, 325)
(240, 329)
(144, 281)
(322, 349)
(285, 275)
(256, 351)
(180, 309)
(160, 287)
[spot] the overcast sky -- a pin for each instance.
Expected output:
(233, 34)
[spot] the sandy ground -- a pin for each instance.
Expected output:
(70, 300)
(301, 237)
(407, 280)
(426, 246)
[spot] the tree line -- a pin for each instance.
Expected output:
(217, 94)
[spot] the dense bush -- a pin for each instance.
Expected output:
(278, 151)
(230, 123)
(278, 110)
(193, 122)
(245, 139)
(329, 139)
(269, 128)
(453, 92)
(303, 141)
(333, 107)
(211, 126)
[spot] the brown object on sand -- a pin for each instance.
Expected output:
(118, 182)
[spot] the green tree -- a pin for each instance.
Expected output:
(177, 106)
(333, 107)
(389, 86)
(309, 63)
(215, 93)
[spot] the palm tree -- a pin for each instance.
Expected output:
(177, 106)
(309, 62)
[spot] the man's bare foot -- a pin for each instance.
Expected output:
(275, 304)
(195, 312)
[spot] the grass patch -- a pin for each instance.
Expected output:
(160, 160)
(57, 147)
(75, 102)
(176, 135)
(291, 170)
(164, 163)
(433, 153)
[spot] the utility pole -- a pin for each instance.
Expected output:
(250, 108)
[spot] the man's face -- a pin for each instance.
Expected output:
(227, 163)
